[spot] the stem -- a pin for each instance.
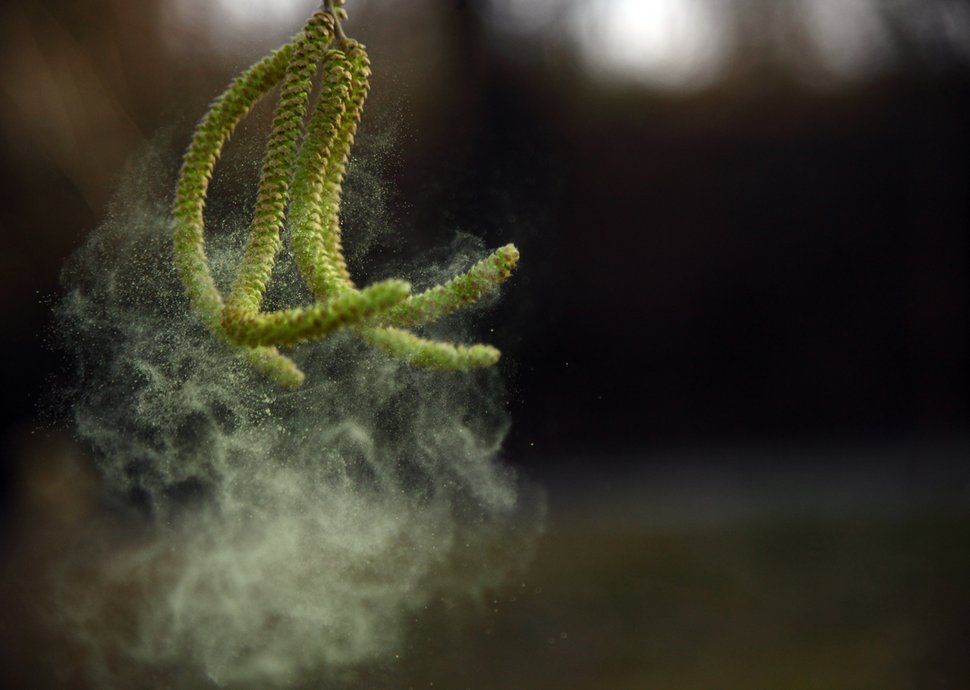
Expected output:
(328, 6)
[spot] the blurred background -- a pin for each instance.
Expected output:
(737, 349)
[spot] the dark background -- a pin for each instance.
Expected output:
(781, 253)
(741, 290)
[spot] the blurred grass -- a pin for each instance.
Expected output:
(801, 605)
(743, 586)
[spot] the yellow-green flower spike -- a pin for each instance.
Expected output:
(190, 194)
(308, 176)
(313, 210)
(269, 361)
(291, 326)
(200, 159)
(274, 182)
(440, 301)
(430, 354)
(340, 152)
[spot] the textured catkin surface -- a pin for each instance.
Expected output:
(287, 530)
(190, 201)
(281, 151)
(308, 168)
(314, 208)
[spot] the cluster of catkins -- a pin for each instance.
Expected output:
(299, 189)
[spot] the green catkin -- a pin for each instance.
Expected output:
(274, 181)
(308, 177)
(270, 362)
(440, 301)
(482, 278)
(326, 183)
(309, 214)
(430, 354)
(359, 73)
(242, 322)
(190, 193)
(315, 223)
(199, 161)
(291, 326)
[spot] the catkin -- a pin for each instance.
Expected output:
(300, 186)
(315, 205)
(274, 181)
